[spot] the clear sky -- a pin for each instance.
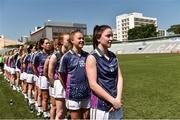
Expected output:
(19, 17)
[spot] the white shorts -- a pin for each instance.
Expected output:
(76, 105)
(51, 91)
(8, 69)
(35, 78)
(30, 78)
(5, 67)
(59, 91)
(44, 83)
(18, 70)
(23, 76)
(38, 82)
(13, 71)
(96, 114)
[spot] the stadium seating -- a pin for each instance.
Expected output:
(170, 45)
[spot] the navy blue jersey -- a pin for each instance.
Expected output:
(34, 56)
(58, 57)
(16, 56)
(12, 61)
(39, 60)
(27, 61)
(107, 78)
(18, 62)
(73, 67)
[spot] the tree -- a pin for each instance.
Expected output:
(144, 31)
(174, 29)
(30, 42)
(87, 38)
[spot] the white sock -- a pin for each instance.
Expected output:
(45, 114)
(25, 95)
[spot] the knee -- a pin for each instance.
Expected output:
(39, 95)
(53, 107)
(45, 98)
(59, 114)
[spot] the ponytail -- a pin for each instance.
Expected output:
(97, 32)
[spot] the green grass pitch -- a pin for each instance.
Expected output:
(19, 108)
(151, 86)
(151, 89)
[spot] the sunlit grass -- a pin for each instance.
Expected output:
(151, 85)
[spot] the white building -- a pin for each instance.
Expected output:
(161, 33)
(125, 22)
(114, 34)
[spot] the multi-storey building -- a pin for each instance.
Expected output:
(52, 29)
(161, 33)
(128, 21)
(114, 34)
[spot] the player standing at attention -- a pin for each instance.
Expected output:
(104, 76)
(73, 75)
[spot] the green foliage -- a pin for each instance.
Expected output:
(174, 29)
(87, 39)
(12, 46)
(30, 42)
(145, 31)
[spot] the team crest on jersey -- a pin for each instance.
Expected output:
(112, 68)
(81, 63)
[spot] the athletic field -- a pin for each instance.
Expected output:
(151, 89)
(151, 85)
(17, 108)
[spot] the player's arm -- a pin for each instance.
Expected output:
(35, 65)
(24, 63)
(120, 84)
(52, 64)
(31, 63)
(46, 65)
(63, 70)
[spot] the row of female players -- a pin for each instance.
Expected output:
(89, 86)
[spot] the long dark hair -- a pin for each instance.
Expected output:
(37, 45)
(41, 42)
(29, 48)
(97, 32)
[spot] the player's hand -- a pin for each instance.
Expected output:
(112, 109)
(117, 104)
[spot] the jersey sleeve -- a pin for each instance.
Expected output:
(35, 59)
(25, 59)
(63, 64)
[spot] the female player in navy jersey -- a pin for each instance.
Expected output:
(12, 61)
(6, 56)
(104, 76)
(19, 66)
(59, 91)
(38, 67)
(73, 75)
(35, 76)
(30, 76)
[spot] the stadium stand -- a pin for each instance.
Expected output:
(161, 45)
